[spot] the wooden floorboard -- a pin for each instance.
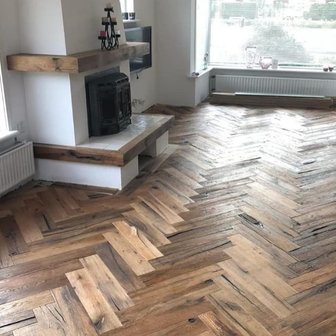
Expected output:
(232, 233)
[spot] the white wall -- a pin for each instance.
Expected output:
(41, 27)
(82, 23)
(13, 81)
(49, 107)
(202, 88)
(173, 20)
(143, 84)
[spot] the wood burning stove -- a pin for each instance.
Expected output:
(108, 103)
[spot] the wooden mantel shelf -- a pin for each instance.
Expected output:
(76, 63)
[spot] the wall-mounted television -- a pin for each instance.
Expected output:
(140, 34)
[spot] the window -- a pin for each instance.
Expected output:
(3, 112)
(127, 5)
(292, 33)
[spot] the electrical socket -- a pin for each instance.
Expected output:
(136, 102)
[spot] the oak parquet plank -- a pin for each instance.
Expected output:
(30, 284)
(136, 238)
(220, 196)
(38, 215)
(243, 300)
(185, 178)
(227, 219)
(191, 250)
(326, 327)
(208, 211)
(12, 236)
(267, 231)
(188, 310)
(28, 227)
(95, 304)
(157, 305)
(219, 326)
(188, 168)
(8, 330)
(184, 189)
(5, 258)
(148, 214)
(11, 323)
(240, 278)
(190, 247)
(175, 194)
(53, 206)
(47, 264)
(314, 278)
(17, 311)
(159, 207)
(106, 282)
(131, 256)
(180, 282)
(73, 312)
(58, 248)
(167, 195)
(264, 273)
(239, 316)
(278, 254)
(145, 225)
(189, 234)
(120, 269)
(176, 268)
(193, 328)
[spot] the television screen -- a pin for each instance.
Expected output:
(140, 34)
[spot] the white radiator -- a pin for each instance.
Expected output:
(16, 167)
(275, 85)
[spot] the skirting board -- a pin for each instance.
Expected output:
(271, 100)
(87, 174)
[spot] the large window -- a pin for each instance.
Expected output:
(292, 33)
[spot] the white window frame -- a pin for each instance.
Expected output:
(201, 47)
(4, 126)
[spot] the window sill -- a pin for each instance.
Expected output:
(8, 135)
(200, 73)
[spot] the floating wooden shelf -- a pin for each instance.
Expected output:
(76, 63)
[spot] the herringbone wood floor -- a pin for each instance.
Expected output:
(233, 234)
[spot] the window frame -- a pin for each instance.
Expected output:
(4, 120)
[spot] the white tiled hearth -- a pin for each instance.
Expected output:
(141, 123)
(109, 161)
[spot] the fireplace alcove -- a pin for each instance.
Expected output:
(63, 150)
(54, 84)
(108, 95)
